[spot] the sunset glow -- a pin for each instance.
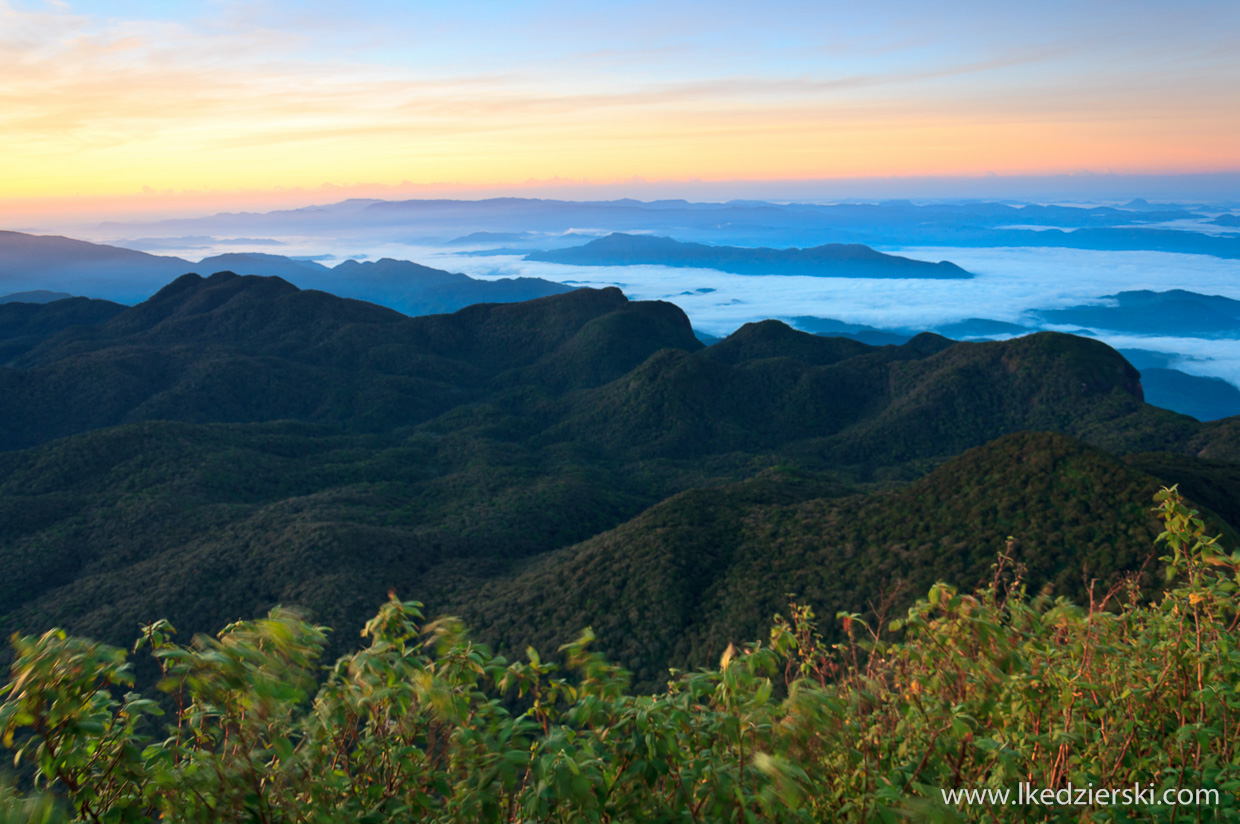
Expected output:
(114, 99)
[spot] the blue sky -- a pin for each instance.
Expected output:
(117, 98)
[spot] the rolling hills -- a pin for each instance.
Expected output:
(235, 442)
(1144, 312)
(37, 263)
(235, 348)
(708, 567)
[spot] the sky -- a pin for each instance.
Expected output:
(251, 104)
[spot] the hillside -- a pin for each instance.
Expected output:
(420, 290)
(1177, 312)
(53, 263)
(838, 260)
(768, 387)
(40, 262)
(233, 349)
(25, 325)
(906, 717)
(230, 348)
(675, 585)
(236, 442)
(36, 296)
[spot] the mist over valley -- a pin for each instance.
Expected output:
(998, 281)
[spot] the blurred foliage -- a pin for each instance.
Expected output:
(984, 690)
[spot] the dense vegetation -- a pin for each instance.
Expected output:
(994, 690)
(707, 567)
(537, 467)
(245, 349)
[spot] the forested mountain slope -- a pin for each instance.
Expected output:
(709, 567)
(235, 442)
(231, 348)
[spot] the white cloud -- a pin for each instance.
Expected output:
(1009, 283)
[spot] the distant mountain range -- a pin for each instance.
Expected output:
(36, 296)
(530, 224)
(235, 442)
(1176, 312)
(831, 260)
(28, 261)
(414, 289)
(1206, 399)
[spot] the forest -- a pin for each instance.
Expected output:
(996, 689)
(906, 515)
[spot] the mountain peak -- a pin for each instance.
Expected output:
(774, 339)
(928, 343)
(193, 295)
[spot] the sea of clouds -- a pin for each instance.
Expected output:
(1008, 284)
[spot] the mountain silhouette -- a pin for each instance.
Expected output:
(37, 262)
(832, 260)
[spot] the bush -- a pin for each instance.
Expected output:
(988, 690)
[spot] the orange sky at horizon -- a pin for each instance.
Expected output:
(104, 104)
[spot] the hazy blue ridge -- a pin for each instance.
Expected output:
(130, 276)
(1176, 312)
(514, 222)
(831, 260)
(35, 296)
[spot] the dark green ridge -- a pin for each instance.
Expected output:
(278, 445)
(675, 585)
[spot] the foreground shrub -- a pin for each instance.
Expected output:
(991, 690)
